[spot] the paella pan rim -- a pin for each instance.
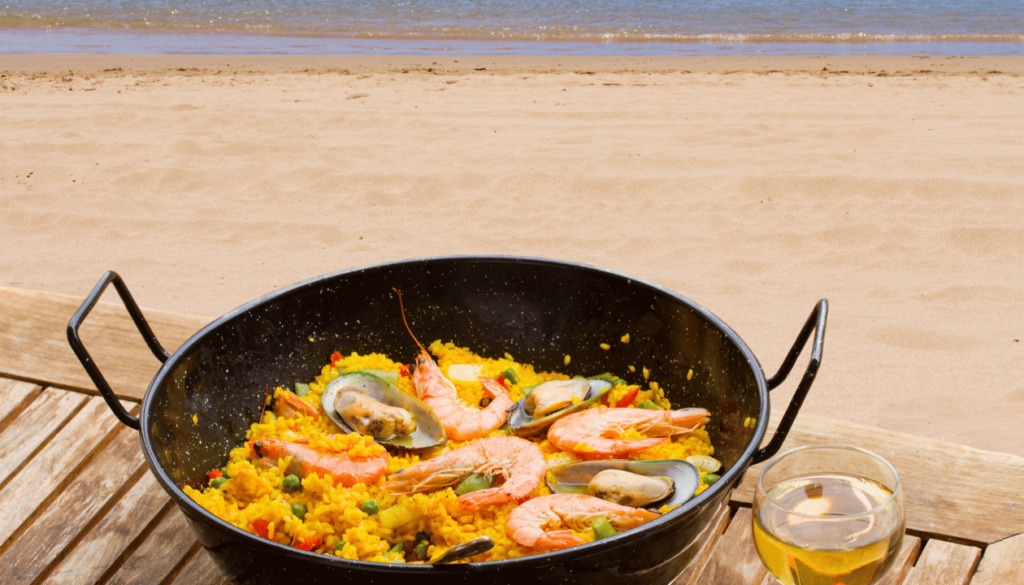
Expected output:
(200, 514)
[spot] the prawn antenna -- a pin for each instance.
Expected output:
(402, 307)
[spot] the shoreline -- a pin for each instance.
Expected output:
(104, 65)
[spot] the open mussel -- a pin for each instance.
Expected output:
(363, 403)
(547, 402)
(641, 484)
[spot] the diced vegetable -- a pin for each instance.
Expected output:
(291, 483)
(339, 546)
(628, 398)
(649, 405)
(511, 376)
(301, 389)
(420, 551)
(602, 528)
(336, 357)
(307, 544)
(472, 483)
(370, 507)
(261, 527)
(299, 510)
(711, 478)
(215, 474)
(465, 372)
(216, 482)
(396, 516)
(421, 536)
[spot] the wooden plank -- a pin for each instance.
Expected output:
(164, 548)
(200, 570)
(15, 395)
(734, 561)
(34, 426)
(34, 345)
(909, 552)
(100, 549)
(64, 518)
(944, 563)
(710, 536)
(45, 473)
(940, 479)
(1002, 563)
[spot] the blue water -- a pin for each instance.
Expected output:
(521, 26)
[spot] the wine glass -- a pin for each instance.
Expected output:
(828, 515)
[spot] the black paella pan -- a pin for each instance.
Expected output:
(537, 310)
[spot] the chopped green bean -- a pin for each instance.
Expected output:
(291, 483)
(299, 510)
(370, 507)
(602, 528)
(216, 482)
(339, 546)
(711, 478)
(649, 405)
(511, 376)
(420, 551)
(301, 389)
(421, 536)
(472, 483)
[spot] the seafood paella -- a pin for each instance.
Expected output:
(464, 459)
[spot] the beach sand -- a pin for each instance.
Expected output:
(892, 186)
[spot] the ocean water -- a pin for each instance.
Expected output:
(939, 27)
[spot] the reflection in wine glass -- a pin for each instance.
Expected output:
(828, 515)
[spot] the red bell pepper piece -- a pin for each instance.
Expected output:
(335, 358)
(628, 398)
(501, 380)
(215, 474)
(404, 371)
(262, 528)
(308, 544)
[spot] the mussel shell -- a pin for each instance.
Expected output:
(524, 425)
(573, 478)
(428, 434)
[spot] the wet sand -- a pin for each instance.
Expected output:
(754, 186)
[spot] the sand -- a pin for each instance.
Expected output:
(894, 187)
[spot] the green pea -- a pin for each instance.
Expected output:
(421, 550)
(472, 483)
(511, 376)
(291, 483)
(602, 528)
(299, 510)
(649, 405)
(216, 482)
(301, 389)
(370, 507)
(711, 478)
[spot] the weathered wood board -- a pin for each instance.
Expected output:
(940, 479)
(34, 342)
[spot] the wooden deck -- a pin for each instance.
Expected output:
(78, 505)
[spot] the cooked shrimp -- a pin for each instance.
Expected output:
(520, 462)
(592, 433)
(287, 404)
(528, 523)
(348, 471)
(461, 421)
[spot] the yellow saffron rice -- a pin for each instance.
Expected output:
(252, 497)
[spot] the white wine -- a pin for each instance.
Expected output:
(831, 539)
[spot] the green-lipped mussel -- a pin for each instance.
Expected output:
(547, 402)
(363, 403)
(666, 482)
